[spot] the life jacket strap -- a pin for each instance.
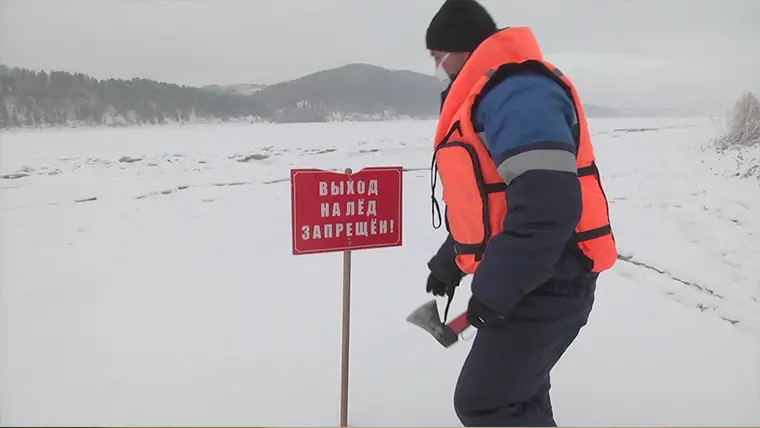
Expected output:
(597, 232)
(588, 170)
(448, 305)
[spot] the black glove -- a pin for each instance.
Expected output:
(438, 287)
(479, 314)
(445, 275)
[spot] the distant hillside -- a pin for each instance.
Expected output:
(352, 92)
(240, 89)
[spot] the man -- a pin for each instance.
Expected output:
(514, 156)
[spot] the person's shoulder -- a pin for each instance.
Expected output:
(526, 110)
(530, 88)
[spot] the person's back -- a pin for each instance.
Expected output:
(534, 282)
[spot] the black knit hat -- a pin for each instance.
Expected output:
(459, 26)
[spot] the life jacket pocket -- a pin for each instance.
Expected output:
(469, 199)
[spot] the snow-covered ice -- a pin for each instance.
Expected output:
(147, 279)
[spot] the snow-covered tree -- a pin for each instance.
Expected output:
(742, 127)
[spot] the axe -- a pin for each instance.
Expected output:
(427, 318)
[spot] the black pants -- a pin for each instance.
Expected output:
(505, 379)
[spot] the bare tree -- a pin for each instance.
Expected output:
(742, 127)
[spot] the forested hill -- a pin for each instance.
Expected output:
(35, 98)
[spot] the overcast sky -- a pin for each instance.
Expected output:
(625, 53)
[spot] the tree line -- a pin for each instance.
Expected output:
(31, 98)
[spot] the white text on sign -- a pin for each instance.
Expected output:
(357, 228)
(360, 207)
(349, 187)
(352, 208)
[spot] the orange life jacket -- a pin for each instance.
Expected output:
(473, 190)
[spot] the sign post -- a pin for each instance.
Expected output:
(333, 211)
(345, 335)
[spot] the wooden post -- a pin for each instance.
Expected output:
(345, 334)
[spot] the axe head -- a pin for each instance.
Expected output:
(427, 318)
